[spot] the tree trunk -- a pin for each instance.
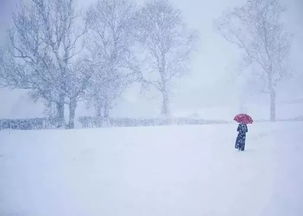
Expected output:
(72, 111)
(272, 105)
(165, 103)
(98, 110)
(102, 113)
(60, 111)
(272, 93)
(106, 111)
(165, 99)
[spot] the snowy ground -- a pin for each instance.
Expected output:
(153, 171)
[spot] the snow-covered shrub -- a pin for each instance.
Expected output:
(91, 122)
(28, 124)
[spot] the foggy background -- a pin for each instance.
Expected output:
(216, 86)
(191, 169)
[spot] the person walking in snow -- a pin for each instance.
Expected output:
(240, 142)
(243, 120)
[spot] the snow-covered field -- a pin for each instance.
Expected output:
(153, 171)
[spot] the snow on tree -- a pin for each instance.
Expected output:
(45, 40)
(256, 28)
(167, 45)
(62, 58)
(77, 85)
(110, 24)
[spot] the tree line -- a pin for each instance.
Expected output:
(63, 56)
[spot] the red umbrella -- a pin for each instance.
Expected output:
(243, 118)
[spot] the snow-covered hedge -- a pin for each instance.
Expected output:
(90, 122)
(93, 122)
(28, 124)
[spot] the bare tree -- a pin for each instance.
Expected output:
(256, 28)
(167, 45)
(110, 24)
(44, 46)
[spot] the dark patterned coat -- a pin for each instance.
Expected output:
(240, 142)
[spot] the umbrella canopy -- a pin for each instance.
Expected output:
(243, 118)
